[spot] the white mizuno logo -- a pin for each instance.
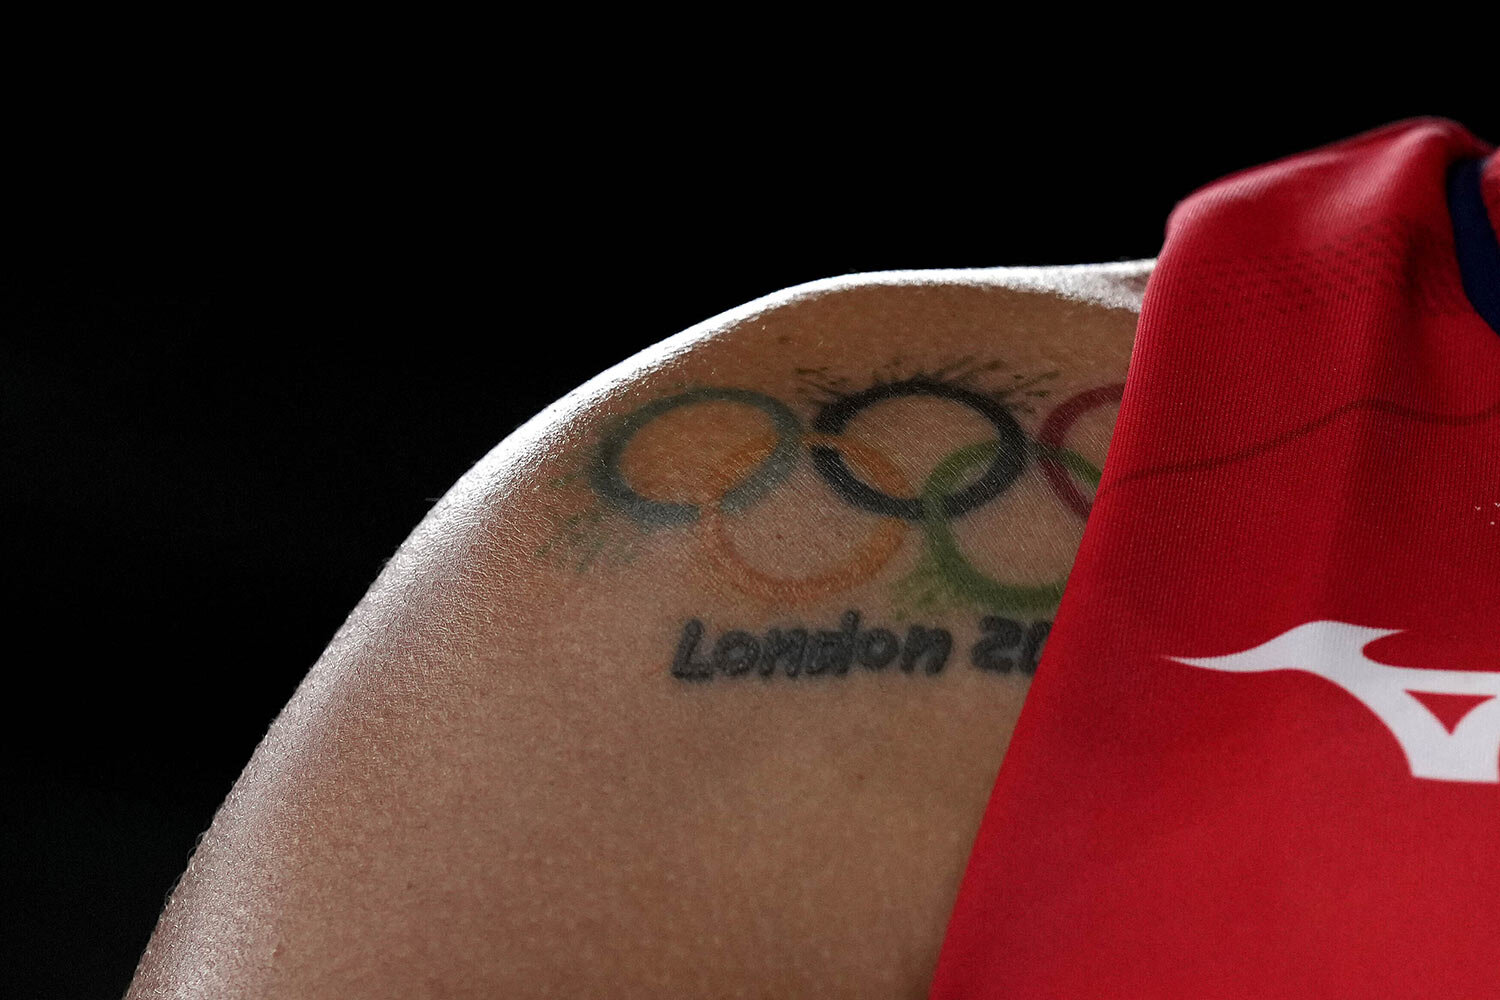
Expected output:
(1470, 751)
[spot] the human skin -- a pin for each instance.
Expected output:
(505, 778)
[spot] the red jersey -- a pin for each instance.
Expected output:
(1261, 755)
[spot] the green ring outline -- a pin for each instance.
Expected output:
(956, 569)
(1074, 463)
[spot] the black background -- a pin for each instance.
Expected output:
(235, 376)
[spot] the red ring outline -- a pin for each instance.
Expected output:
(1055, 429)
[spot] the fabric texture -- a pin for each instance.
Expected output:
(1261, 755)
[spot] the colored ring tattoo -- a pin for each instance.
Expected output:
(961, 574)
(1007, 461)
(1051, 435)
(872, 554)
(1078, 465)
(606, 477)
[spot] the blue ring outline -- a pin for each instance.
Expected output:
(607, 480)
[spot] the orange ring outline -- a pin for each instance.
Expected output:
(877, 549)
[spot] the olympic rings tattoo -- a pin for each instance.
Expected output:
(1006, 464)
(607, 480)
(872, 554)
(866, 479)
(1051, 457)
(943, 546)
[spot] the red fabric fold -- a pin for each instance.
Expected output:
(1302, 492)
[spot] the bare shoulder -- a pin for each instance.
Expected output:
(697, 684)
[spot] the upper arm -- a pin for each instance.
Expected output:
(569, 743)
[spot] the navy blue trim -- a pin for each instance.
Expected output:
(1474, 238)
